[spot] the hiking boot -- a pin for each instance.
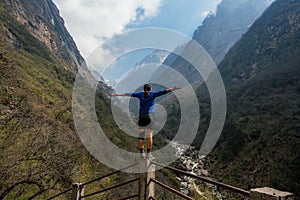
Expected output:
(143, 155)
(150, 156)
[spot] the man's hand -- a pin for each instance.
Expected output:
(176, 88)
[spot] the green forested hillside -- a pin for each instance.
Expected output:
(259, 145)
(41, 153)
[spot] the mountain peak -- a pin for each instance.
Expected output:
(220, 31)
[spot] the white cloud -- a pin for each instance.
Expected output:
(91, 21)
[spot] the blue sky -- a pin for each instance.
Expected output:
(90, 22)
(182, 15)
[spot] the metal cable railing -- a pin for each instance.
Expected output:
(204, 179)
(172, 190)
(61, 193)
(147, 182)
(110, 188)
(98, 179)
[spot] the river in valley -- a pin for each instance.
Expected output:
(191, 161)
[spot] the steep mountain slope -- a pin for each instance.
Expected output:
(142, 71)
(43, 21)
(219, 32)
(259, 143)
(41, 153)
(259, 146)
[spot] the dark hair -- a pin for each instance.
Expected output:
(147, 87)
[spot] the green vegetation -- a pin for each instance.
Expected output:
(41, 153)
(259, 143)
(35, 156)
(23, 38)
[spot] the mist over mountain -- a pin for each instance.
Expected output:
(141, 73)
(221, 30)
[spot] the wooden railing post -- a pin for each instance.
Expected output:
(151, 175)
(267, 193)
(77, 191)
(146, 188)
(142, 181)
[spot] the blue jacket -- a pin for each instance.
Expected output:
(147, 103)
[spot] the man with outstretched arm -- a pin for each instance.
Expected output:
(146, 115)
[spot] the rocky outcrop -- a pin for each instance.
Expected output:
(42, 20)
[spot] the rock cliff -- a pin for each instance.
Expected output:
(43, 21)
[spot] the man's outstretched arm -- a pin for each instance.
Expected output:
(172, 89)
(121, 95)
(162, 92)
